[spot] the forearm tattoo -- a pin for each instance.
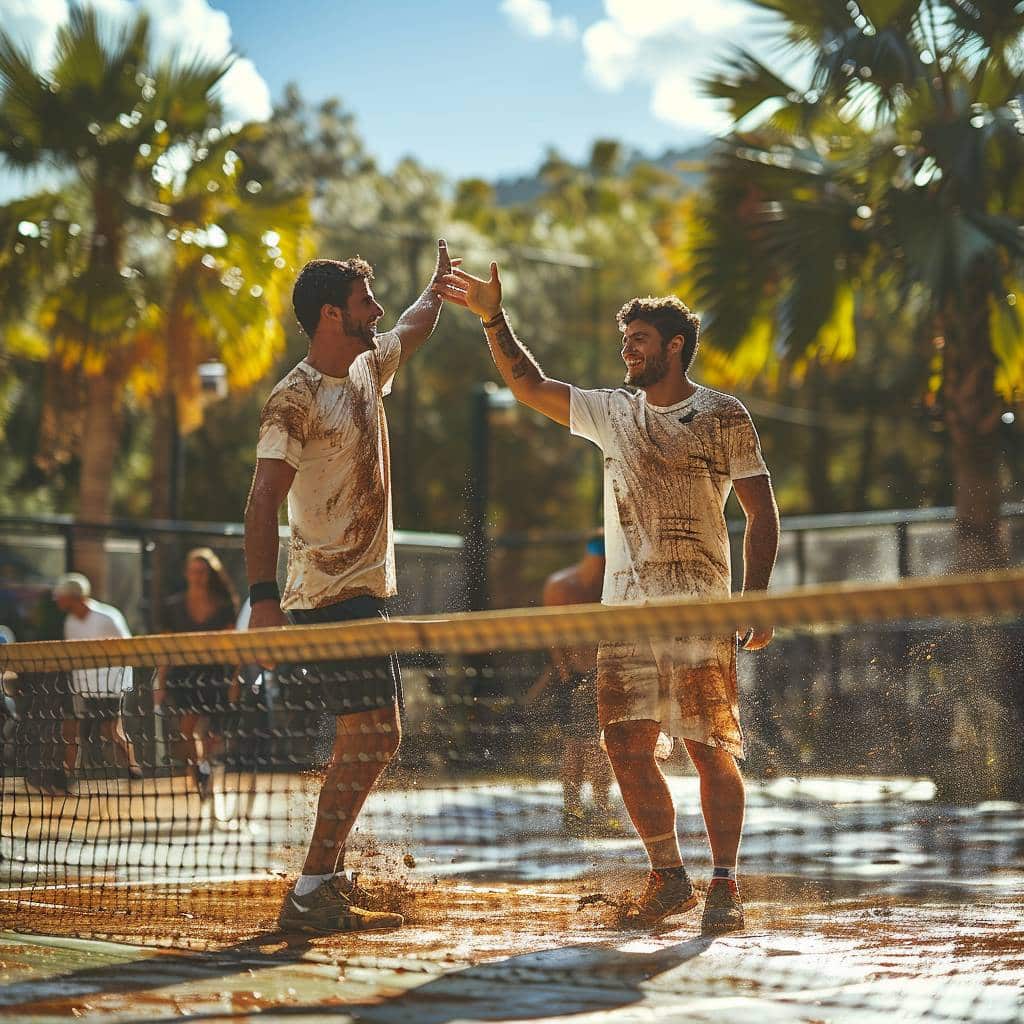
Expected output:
(506, 342)
(520, 361)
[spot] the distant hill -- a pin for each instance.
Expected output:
(686, 164)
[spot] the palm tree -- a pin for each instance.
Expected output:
(105, 117)
(903, 156)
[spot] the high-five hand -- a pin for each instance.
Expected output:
(478, 296)
(444, 261)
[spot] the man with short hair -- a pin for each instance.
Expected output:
(97, 694)
(672, 451)
(323, 444)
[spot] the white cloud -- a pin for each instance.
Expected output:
(669, 45)
(535, 18)
(33, 24)
(191, 27)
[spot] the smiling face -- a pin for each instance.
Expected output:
(647, 357)
(361, 313)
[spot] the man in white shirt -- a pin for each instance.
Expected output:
(323, 445)
(97, 694)
(673, 450)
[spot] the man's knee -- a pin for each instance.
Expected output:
(712, 761)
(630, 742)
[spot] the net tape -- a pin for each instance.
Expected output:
(980, 595)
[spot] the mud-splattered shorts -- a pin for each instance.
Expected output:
(344, 687)
(687, 684)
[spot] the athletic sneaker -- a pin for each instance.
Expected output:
(328, 909)
(664, 896)
(723, 911)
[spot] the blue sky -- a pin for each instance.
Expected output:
(470, 87)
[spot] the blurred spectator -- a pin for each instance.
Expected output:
(200, 694)
(8, 705)
(96, 694)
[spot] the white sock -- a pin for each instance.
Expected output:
(204, 767)
(307, 883)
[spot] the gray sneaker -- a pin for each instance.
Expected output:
(328, 909)
(723, 911)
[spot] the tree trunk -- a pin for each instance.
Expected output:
(971, 411)
(990, 706)
(99, 449)
(162, 486)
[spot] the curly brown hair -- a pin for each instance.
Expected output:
(670, 317)
(325, 282)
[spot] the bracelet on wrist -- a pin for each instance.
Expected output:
(495, 320)
(265, 590)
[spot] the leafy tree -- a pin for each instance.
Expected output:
(103, 115)
(902, 160)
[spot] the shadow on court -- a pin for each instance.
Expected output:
(555, 982)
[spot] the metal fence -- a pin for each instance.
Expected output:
(35, 550)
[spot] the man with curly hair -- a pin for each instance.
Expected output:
(673, 450)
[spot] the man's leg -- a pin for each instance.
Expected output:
(722, 799)
(320, 901)
(649, 802)
(70, 734)
(572, 777)
(644, 789)
(365, 742)
(114, 735)
(599, 771)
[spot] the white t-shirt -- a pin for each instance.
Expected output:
(667, 474)
(333, 432)
(103, 622)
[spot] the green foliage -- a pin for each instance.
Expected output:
(894, 180)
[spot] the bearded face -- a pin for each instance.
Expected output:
(645, 354)
(360, 316)
(646, 370)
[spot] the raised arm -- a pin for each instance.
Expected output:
(270, 485)
(514, 361)
(417, 323)
(760, 543)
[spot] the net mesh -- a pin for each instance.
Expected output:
(883, 759)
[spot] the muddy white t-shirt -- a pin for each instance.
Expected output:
(333, 432)
(667, 474)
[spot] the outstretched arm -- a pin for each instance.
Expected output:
(417, 323)
(514, 361)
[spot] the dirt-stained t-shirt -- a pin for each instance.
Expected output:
(667, 474)
(333, 432)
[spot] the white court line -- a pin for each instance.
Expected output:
(141, 883)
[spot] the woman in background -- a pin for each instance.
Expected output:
(199, 693)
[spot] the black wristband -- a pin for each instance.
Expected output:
(495, 320)
(265, 590)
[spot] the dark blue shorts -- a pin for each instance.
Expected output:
(342, 687)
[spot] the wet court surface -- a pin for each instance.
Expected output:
(521, 954)
(881, 905)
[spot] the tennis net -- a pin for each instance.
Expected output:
(882, 739)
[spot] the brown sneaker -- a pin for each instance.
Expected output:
(328, 909)
(664, 896)
(723, 911)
